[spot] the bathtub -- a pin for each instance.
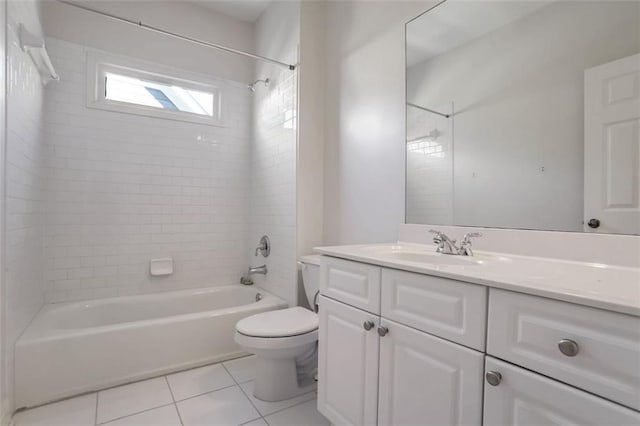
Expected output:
(76, 347)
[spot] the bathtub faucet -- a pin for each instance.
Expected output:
(262, 270)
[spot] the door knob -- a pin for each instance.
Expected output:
(368, 325)
(568, 347)
(593, 223)
(493, 378)
(383, 331)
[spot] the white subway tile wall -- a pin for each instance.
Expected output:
(273, 181)
(123, 189)
(429, 159)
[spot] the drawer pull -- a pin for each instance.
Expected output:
(368, 325)
(382, 331)
(568, 347)
(493, 378)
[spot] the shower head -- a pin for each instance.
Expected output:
(252, 86)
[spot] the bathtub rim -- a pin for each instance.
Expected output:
(36, 333)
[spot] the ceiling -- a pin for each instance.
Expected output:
(455, 23)
(244, 10)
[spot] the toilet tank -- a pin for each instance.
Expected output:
(310, 275)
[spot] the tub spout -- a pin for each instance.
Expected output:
(262, 270)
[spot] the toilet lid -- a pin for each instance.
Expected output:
(280, 323)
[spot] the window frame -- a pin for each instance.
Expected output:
(99, 64)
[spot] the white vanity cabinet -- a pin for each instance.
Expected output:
(375, 370)
(400, 348)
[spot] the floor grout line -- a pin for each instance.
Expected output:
(243, 392)
(204, 393)
(175, 405)
(95, 417)
(136, 413)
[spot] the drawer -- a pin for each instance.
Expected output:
(527, 330)
(354, 283)
(525, 398)
(446, 308)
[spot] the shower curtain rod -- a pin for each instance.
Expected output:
(429, 110)
(142, 25)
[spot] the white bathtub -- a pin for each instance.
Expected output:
(71, 348)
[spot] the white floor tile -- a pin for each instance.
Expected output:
(163, 416)
(198, 381)
(271, 407)
(131, 399)
(224, 407)
(305, 414)
(77, 411)
(242, 369)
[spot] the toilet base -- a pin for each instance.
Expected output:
(277, 378)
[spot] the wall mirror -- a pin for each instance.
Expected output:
(525, 114)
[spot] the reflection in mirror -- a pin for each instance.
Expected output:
(525, 114)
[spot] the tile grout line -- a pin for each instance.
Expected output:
(175, 405)
(263, 417)
(244, 393)
(135, 414)
(95, 417)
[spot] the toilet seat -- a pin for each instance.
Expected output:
(275, 343)
(281, 323)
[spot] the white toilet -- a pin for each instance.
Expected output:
(285, 343)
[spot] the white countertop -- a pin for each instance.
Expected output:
(615, 288)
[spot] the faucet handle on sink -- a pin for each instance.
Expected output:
(467, 237)
(465, 244)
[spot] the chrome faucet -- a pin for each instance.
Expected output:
(262, 270)
(465, 244)
(446, 245)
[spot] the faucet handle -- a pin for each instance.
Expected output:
(467, 237)
(433, 231)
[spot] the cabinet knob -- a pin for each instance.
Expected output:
(368, 325)
(568, 347)
(493, 378)
(382, 331)
(593, 223)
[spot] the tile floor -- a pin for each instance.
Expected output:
(217, 394)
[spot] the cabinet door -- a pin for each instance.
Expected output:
(425, 380)
(347, 364)
(520, 397)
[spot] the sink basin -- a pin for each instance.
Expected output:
(431, 258)
(404, 253)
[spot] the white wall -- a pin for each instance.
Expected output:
(311, 125)
(4, 385)
(273, 167)
(71, 24)
(365, 124)
(24, 179)
(123, 189)
(529, 76)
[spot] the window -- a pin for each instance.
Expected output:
(130, 86)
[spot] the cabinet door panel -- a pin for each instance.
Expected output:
(425, 380)
(347, 364)
(525, 398)
(354, 283)
(446, 308)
